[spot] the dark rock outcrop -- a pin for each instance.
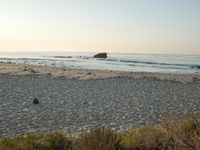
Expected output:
(35, 101)
(196, 66)
(101, 55)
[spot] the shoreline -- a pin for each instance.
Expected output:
(87, 74)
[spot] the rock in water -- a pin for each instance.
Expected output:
(35, 101)
(101, 55)
(197, 67)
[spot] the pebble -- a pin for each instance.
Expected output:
(25, 109)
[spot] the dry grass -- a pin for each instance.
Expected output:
(187, 131)
(151, 138)
(99, 139)
(170, 134)
(49, 141)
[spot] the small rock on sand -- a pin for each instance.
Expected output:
(35, 101)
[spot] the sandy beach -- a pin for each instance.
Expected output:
(86, 74)
(72, 100)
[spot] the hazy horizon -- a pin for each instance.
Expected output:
(130, 26)
(68, 52)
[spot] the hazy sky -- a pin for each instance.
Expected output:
(137, 26)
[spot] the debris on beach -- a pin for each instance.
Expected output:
(30, 70)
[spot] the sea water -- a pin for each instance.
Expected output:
(179, 64)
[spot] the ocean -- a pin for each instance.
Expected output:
(178, 64)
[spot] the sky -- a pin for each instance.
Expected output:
(119, 26)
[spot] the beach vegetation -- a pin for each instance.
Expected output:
(99, 139)
(169, 134)
(47, 141)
